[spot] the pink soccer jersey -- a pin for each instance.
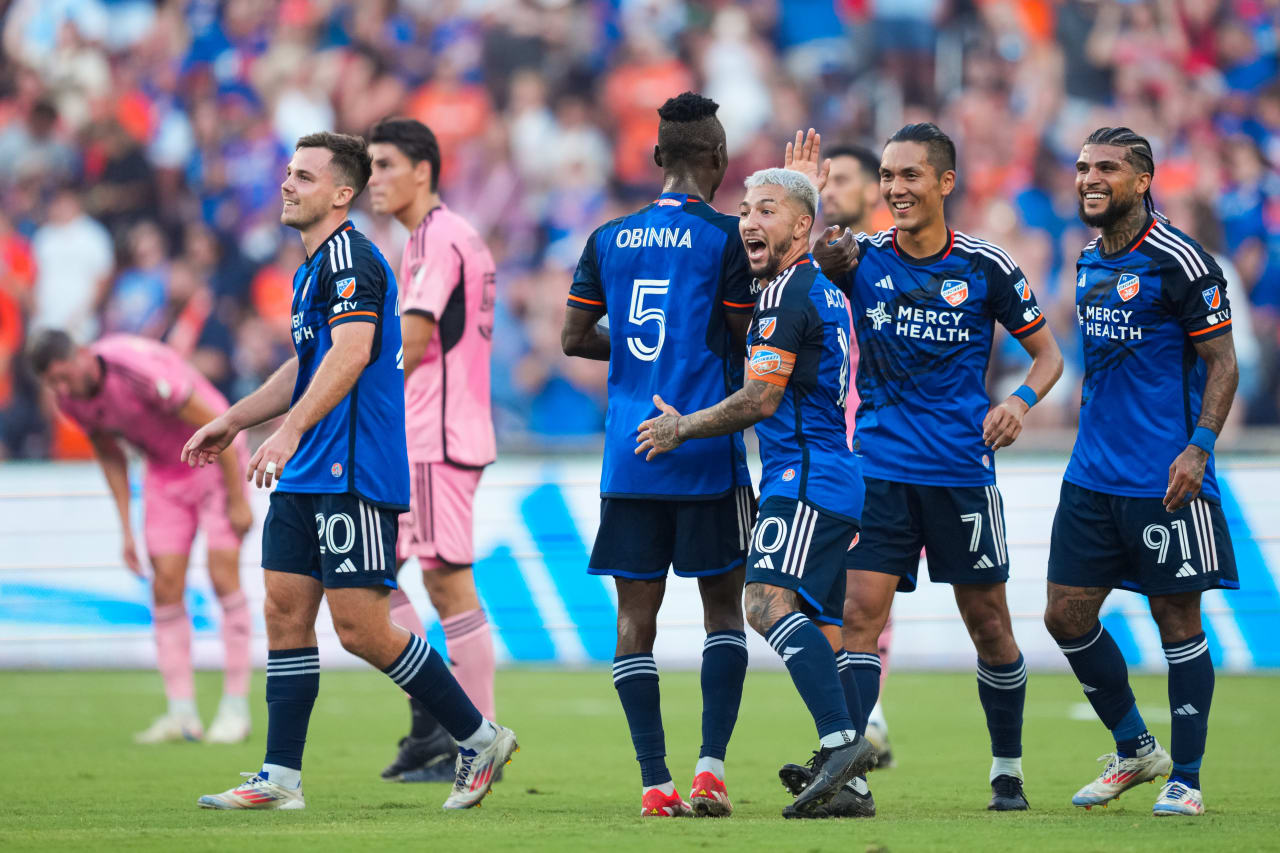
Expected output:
(447, 274)
(851, 402)
(144, 385)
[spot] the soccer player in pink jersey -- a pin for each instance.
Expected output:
(139, 390)
(446, 319)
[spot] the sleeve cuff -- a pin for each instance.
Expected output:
(1028, 329)
(354, 317)
(1211, 332)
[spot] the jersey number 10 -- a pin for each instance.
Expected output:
(639, 315)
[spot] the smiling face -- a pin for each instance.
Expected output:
(771, 225)
(310, 191)
(1108, 185)
(396, 180)
(912, 187)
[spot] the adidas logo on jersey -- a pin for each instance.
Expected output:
(984, 562)
(1187, 710)
(765, 562)
(346, 566)
(886, 282)
(1186, 571)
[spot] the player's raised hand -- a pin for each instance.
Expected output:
(267, 464)
(210, 440)
(805, 155)
(836, 257)
(661, 433)
(1186, 475)
(1003, 424)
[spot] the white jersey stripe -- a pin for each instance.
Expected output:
(333, 264)
(1180, 258)
(1188, 250)
(796, 521)
(803, 558)
(988, 248)
(979, 250)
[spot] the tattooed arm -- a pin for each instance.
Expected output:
(754, 402)
(1186, 474)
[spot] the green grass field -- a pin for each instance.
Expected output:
(74, 780)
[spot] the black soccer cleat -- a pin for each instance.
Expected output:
(832, 768)
(420, 754)
(853, 800)
(1007, 796)
(795, 776)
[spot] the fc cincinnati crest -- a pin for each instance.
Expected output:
(955, 291)
(1212, 298)
(346, 287)
(1127, 287)
(766, 327)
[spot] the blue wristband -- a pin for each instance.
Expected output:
(1203, 438)
(1026, 395)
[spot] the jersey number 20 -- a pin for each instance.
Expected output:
(640, 315)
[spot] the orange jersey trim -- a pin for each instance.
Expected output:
(739, 304)
(353, 314)
(770, 365)
(1211, 328)
(585, 301)
(1032, 323)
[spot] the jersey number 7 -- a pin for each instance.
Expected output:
(640, 315)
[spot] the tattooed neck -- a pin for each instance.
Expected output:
(1122, 233)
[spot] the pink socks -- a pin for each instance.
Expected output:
(237, 630)
(173, 651)
(471, 653)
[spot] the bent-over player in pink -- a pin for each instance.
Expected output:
(446, 319)
(141, 391)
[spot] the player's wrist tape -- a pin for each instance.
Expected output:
(1203, 438)
(1026, 395)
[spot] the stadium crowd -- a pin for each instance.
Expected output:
(142, 145)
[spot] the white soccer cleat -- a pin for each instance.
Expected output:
(255, 793)
(1176, 798)
(474, 771)
(1121, 774)
(171, 727)
(229, 727)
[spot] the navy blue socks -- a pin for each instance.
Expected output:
(1190, 694)
(635, 677)
(724, 667)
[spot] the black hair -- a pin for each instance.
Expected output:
(1137, 154)
(941, 150)
(46, 346)
(866, 158)
(350, 157)
(414, 139)
(688, 129)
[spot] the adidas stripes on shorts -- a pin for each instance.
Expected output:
(800, 548)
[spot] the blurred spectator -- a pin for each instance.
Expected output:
(34, 147)
(138, 295)
(74, 262)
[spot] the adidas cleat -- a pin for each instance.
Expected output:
(474, 772)
(1007, 795)
(708, 798)
(1121, 774)
(832, 768)
(657, 804)
(1177, 798)
(420, 754)
(171, 727)
(256, 792)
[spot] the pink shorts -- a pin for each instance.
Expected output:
(437, 527)
(177, 500)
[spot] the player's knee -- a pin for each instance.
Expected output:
(636, 632)
(762, 609)
(1177, 620)
(990, 634)
(355, 638)
(283, 617)
(1059, 623)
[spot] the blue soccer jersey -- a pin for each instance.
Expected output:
(666, 276)
(1141, 312)
(800, 338)
(359, 446)
(924, 328)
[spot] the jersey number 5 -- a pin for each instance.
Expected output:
(640, 315)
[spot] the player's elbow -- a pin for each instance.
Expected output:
(571, 342)
(767, 405)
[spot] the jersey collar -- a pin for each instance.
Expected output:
(682, 198)
(932, 259)
(346, 226)
(1133, 244)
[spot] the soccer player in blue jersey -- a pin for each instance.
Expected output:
(810, 484)
(1140, 507)
(342, 474)
(925, 302)
(673, 280)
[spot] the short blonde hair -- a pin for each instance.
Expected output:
(797, 185)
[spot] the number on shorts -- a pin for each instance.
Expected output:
(1156, 537)
(327, 532)
(775, 530)
(975, 535)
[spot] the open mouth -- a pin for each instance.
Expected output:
(757, 250)
(902, 206)
(1094, 196)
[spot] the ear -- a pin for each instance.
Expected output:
(802, 227)
(343, 196)
(719, 157)
(1142, 184)
(422, 172)
(947, 182)
(657, 156)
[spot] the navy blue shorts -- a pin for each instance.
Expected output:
(1132, 543)
(340, 540)
(801, 548)
(960, 528)
(640, 538)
